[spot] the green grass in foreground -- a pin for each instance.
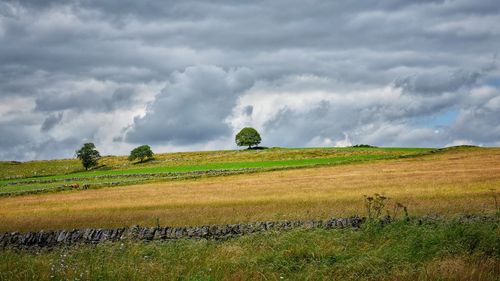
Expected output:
(449, 250)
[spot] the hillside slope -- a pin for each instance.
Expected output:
(57, 175)
(448, 182)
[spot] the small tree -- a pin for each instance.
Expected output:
(88, 155)
(248, 137)
(142, 152)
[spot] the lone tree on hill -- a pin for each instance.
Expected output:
(248, 137)
(142, 152)
(89, 155)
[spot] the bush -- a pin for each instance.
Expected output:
(364, 146)
(142, 152)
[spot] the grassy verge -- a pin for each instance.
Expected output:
(444, 250)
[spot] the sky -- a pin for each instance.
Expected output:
(188, 75)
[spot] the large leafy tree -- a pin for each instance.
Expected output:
(142, 152)
(248, 137)
(89, 155)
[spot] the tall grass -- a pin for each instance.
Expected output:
(442, 250)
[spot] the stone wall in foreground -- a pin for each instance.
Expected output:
(93, 236)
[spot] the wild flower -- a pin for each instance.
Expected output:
(375, 205)
(494, 195)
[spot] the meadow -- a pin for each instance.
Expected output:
(447, 183)
(117, 170)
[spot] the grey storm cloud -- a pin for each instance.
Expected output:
(437, 83)
(292, 128)
(51, 121)
(180, 73)
(192, 107)
(86, 100)
(248, 110)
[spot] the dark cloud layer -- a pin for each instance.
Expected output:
(192, 107)
(86, 100)
(189, 74)
(51, 121)
(437, 83)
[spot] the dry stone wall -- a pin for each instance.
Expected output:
(136, 178)
(45, 239)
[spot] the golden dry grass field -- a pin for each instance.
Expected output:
(448, 183)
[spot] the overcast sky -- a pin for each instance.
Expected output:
(187, 75)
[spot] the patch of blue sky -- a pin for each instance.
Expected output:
(495, 82)
(438, 120)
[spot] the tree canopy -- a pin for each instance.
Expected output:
(89, 155)
(248, 137)
(141, 152)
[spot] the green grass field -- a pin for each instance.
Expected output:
(49, 175)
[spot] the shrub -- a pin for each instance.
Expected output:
(364, 146)
(142, 152)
